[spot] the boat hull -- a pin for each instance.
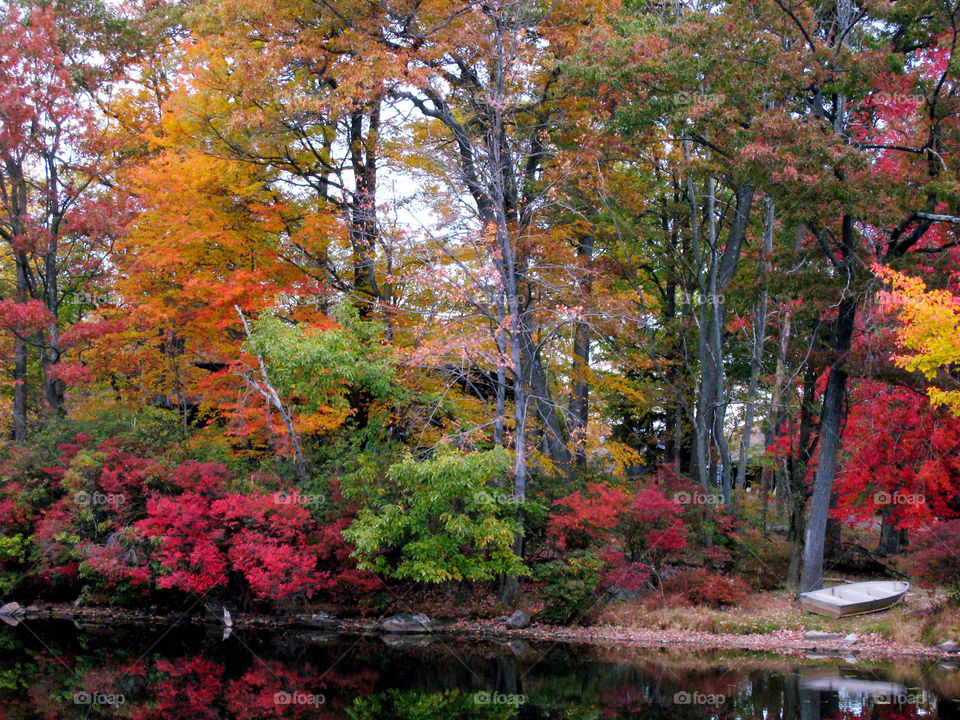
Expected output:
(854, 598)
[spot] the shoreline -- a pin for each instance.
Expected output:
(782, 642)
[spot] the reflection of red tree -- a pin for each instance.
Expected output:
(196, 689)
(880, 712)
(186, 688)
(623, 701)
(255, 694)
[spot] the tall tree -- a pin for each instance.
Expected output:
(56, 217)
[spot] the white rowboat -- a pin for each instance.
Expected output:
(855, 598)
(834, 680)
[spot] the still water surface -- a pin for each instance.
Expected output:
(56, 670)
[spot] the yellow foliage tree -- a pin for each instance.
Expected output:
(930, 332)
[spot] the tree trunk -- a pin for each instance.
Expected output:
(768, 481)
(18, 215)
(796, 474)
(538, 392)
(831, 419)
(579, 396)
(19, 391)
(50, 351)
(501, 397)
(266, 389)
(834, 533)
(759, 336)
(362, 209)
(892, 538)
(511, 587)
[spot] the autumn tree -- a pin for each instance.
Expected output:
(298, 90)
(873, 142)
(929, 335)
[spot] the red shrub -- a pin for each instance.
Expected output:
(341, 579)
(108, 515)
(654, 530)
(587, 516)
(630, 576)
(264, 541)
(934, 556)
(52, 539)
(702, 587)
(647, 525)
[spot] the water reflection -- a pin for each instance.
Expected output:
(57, 671)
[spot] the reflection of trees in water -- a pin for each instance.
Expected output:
(189, 677)
(187, 687)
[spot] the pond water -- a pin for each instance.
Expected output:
(56, 670)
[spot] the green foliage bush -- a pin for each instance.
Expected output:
(439, 520)
(13, 551)
(572, 589)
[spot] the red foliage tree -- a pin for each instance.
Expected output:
(901, 458)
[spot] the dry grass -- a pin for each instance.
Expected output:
(923, 618)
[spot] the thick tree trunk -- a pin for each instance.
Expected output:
(547, 409)
(831, 419)
(362, 209)
(795, 525)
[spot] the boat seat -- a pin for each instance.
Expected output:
(857, 596)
